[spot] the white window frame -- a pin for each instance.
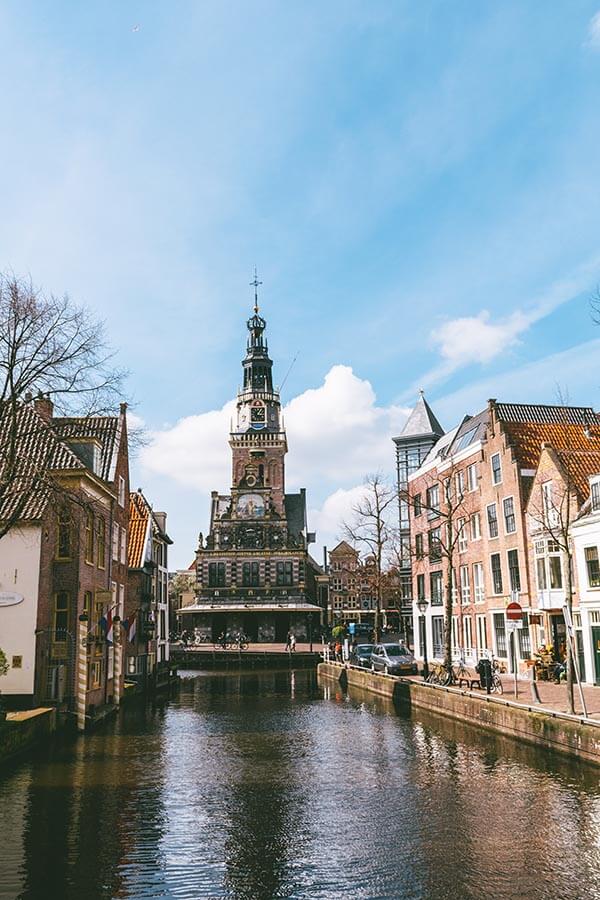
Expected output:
(123, 546)
(514, 514)
(492, 458)
(478, 582)
(472, 477)
(468, 632)
(481, 629)
(475, 517)
(487, 518)
(463, 539)
(465, 585)
(459, 484)
(115, 542)
(494, 592)
(121, 491)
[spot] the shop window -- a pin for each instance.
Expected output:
(500, 632)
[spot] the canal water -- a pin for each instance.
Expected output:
(264, 785)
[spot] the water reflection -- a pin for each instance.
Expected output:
(267, 784)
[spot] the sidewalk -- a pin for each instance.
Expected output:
(553, 696)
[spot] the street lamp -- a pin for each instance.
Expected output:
(422, 605)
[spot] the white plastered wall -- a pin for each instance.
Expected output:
(20, 574)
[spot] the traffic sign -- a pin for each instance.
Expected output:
(514, 624)
(514, 612)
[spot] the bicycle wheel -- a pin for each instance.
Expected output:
(243, 645)
(497, 686)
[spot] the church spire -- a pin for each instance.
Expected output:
(257, 365)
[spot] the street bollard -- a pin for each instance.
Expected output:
(82, 654)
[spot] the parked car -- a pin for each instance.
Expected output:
(393, 659)
(361, 655)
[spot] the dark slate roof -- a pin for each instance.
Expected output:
(421, 422)
(39, 452)
(295, 512)
(105, 429)
(526, 413)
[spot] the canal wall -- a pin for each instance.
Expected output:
(22, 730)
(570, 735)
(193, 658)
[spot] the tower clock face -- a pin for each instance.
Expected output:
(257, 416)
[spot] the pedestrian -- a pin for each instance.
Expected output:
(292, 643)
(288, 642)
(338, 651)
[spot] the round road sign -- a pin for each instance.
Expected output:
(514, 611)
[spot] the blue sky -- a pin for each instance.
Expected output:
(417, 183)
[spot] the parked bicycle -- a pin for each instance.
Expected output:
(231, 642)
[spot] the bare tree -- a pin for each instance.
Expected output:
(444, 502)
(52, 348)
(552, 508)
(370, 529)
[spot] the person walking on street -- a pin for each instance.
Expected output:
(292, 643)
(288, 643)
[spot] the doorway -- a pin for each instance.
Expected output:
(596, 650)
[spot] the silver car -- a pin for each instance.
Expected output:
(393, 659)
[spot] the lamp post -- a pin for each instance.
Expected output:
(422, 605)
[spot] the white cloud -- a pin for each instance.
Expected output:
(478, 338)
(593, 38)
(336, 509)
(337, 434)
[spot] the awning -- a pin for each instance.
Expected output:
(250, 608)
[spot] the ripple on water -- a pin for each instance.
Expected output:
(255, 786)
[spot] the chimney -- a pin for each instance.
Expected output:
(123, 408)
(161, 519)
(44, 406)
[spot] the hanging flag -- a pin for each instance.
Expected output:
(131, 628)
(106, 623)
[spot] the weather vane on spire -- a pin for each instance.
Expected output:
(255, 283)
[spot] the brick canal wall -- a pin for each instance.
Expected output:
(23, 730)
(564, 734)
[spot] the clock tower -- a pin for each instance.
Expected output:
(254, 573)
(258, 442)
